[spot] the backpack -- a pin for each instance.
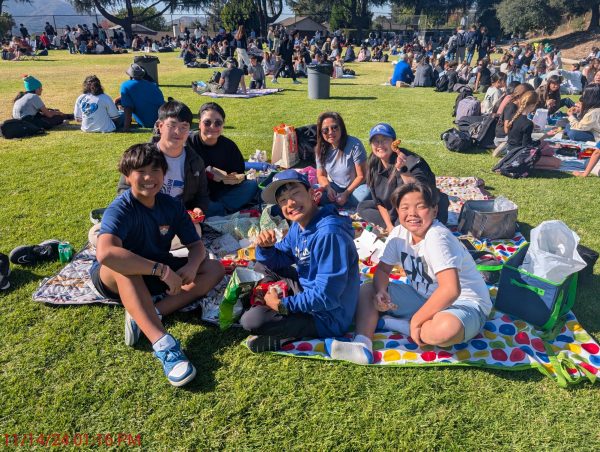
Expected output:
(483, 132)
(457, 140)
(18, 128)
(461, 40)
(441, 85)
(468, 106)
(307, 142)
(518, 162)
(463, 92)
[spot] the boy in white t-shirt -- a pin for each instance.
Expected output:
(95, 110)
(494, 93)
(446, 302)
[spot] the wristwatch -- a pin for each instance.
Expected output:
(281, 309)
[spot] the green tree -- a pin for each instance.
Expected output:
(156, 22)
(581, 7)
(6, 24)
(319, 11)
(105, 7)
(353, 14)
(237, 12)
(521, 16)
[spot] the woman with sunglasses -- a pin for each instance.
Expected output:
(341, 163)
(227, 193)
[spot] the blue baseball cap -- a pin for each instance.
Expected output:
(282, 178)
(382, 129)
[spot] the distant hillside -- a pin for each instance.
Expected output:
(35, 15)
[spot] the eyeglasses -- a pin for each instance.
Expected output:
(333, 128)
(381, 142)
(215, 123)
(179, 128)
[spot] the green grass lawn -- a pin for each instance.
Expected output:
(68, 370)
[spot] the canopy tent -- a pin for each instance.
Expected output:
(138, 29)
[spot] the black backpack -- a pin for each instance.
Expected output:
(482, 129)
(461, 40)
(307, 142)
(441, 84)
(457, 140)
(518, 162)
(18, 128)
(484, 132)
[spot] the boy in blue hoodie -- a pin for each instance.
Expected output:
(325, 283)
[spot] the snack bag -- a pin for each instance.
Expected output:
(260, 291)
(240, 285)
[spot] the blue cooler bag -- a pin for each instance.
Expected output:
(535, 300)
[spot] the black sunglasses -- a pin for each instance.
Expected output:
(333, 128)
(215, 123)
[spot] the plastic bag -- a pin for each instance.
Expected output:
(275, 222)
(552, 253)
(540, 118)
(502, 204)
(240, 285)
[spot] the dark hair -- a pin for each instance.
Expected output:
(590, 98)
(510, 88)
(286, 187)
(92, 85)
(140, 155)
(498, 76)
(322, 145)
(554, 79)
(430, 196)
(177, 110)
(211, 106)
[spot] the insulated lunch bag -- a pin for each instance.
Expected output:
(478, 218)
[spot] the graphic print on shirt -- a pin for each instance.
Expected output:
(173, 188)
(416, 271)
(302, 253)
(87, 108)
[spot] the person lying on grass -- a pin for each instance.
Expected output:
(133, 262)
(446, 301)
(325, 282)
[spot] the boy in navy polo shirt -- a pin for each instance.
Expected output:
(134, 264)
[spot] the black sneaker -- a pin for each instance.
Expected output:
(259, 344)
(34, 254)
(4, 272)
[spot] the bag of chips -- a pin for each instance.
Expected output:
(242, 281)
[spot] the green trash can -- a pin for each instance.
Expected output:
(150, 65)
(319, 76)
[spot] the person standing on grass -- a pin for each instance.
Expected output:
(446, 302)
(133, 262)
(318, 261)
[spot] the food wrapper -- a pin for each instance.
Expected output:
(240, 285)
(260, 290)
(275, 222)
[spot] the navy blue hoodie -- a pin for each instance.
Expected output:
(327, 263)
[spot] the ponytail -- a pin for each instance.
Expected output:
(525, 101)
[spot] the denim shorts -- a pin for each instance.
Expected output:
(409, 301)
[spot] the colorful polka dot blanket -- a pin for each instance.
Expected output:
(505, 343)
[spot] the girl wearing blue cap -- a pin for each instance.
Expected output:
(341, 163)
(29, 106)
(389, 166)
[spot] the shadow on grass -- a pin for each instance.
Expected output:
(354, 97)
(204, 347)
(19, 277)
(189, 85)
(549, 174)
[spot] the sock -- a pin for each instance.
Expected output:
(164, 343)
(356, 352)
(396, 324)
(363, 340)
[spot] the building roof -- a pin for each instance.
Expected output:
(301, 23)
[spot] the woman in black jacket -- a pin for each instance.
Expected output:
(388, 167)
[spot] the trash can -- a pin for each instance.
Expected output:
(150, 65)
(318, 81)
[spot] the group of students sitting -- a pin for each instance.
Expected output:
(445, 303)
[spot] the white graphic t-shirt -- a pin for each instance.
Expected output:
(438, 251)
(96, 113)
(173, 184)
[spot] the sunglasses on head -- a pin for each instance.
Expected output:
(215, 123)
(333, 128)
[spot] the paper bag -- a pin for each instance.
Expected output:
(285, 146)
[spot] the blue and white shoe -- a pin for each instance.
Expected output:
(132, 330)
(178, 369)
